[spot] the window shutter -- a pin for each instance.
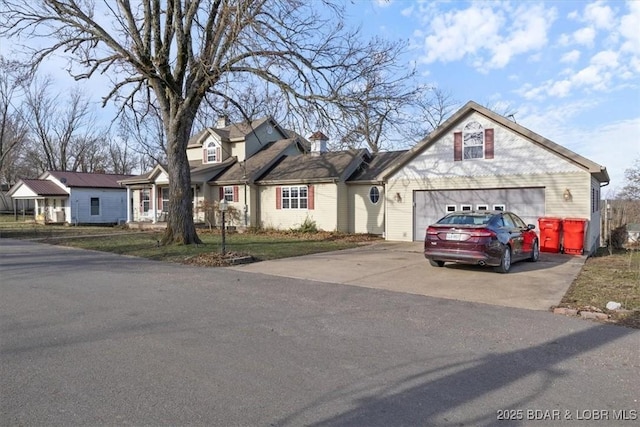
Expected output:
(235, 193)
(457, 146)
(221, 193)
(218, 154)
(204, 155)
(488, 144)
(310, 198)
(278, 198)
(159, 198)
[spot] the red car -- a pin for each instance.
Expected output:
(494, 238)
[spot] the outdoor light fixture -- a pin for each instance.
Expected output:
(398, 197)
(567, 195)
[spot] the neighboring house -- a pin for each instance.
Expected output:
(478, 159)
(633, 232)
(74, 197)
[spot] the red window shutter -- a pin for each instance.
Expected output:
(457, 146)
(235, 193)
(278, 198)
(218, 154)
(310, 198)
(159, 198)
(221, 193)
(488, 143)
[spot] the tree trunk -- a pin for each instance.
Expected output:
(180, 225)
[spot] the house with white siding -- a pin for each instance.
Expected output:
(477, 159)
(74, 197)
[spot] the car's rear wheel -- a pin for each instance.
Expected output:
(436, 263)
(535, 252)
(505, 261)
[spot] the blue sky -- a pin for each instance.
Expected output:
(568, 70)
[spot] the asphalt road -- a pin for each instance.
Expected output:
(89, 338)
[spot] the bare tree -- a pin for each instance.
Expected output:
(13, 118)
(179, 51)
(631, 189)
(63, 131)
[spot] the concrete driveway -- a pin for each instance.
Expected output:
(401, 267)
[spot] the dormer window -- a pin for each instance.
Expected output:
(212, 153)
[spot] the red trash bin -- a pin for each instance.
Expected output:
(573, 235)
(550, 229)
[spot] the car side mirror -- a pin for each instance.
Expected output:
(531, 227)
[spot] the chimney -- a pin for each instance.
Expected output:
(318, 143)
(223, 122)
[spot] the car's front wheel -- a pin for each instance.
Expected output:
(505, 261)
(436, 263)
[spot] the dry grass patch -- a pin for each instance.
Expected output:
(608, 277)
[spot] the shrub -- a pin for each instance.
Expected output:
(308, 226)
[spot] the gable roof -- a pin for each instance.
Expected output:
(234, 131)
(597, 171)
(41, 187)
(254, 166)
(329, 166)
(87, 180)
(374, 165)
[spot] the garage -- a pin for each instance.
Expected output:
(431, 205)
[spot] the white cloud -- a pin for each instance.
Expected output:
(407, 12)
(383, 3)
(489, 34)
(584, 36)
(571, 57)
(628, 28)
(605, 59)
(601, 144)
(599, 15)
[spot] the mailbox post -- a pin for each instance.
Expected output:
(223, 208)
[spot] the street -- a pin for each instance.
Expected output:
(90, 338)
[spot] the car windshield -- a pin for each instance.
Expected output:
(478, 219)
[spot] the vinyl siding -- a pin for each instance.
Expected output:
(366, 217)
(325, 213)
(113, 206)
(343, 208)
(513, 156)
(400, 213)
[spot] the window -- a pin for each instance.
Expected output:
(165, 199)
(473, 141)
(95, 206)
(294, 197)
(499, 208)
(482, 207)
(145, 199)
(374, 195)
(465, 207)
(450, 208)
(212, 153)
(228, 194)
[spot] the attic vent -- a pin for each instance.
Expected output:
(63, 180)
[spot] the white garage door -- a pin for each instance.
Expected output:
(431, 205)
